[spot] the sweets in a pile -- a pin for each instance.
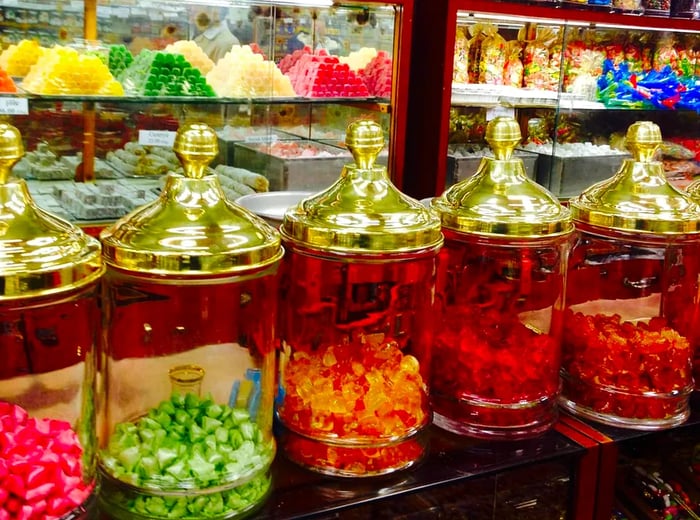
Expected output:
(289, 60)
(118, 59)
(625, 369)
(156, 73)
(245, 181)
(188, 444)
(358, 390)
(6, 83)
(377, 75)
(244, 73)
(358, 60)
(64, 71)
(18, 58)
(322, 75)
(192, 53)
(136, 159)
(41, 468)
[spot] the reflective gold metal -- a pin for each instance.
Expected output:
(499, 199)
(362, 212)
(192, 229)
(40, 254)
(638, 197)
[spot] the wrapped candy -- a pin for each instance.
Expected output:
(460, 73)
(513, 69)
(619, 87)
(634, 56)
(493, 57)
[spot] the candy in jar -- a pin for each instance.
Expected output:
(359, 275)
(500, 296)
(632, 295)
(188, 369)
(49, 328)
(693, 190)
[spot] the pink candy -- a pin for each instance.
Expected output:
(40, 467)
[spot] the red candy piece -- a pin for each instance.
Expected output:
(322, 75)
(41, 475)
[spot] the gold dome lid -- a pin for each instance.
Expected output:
(191, 229)
(40, 254)
(638, 197)
(362, 211)
(499, 199)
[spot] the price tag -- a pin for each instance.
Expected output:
(272, 138)
(494, 112)
(156, 138)
(14, 106)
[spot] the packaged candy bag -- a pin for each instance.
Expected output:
(666, 53)
(493, 56)
(460, 72)
(513, 69)
(476, 32)
(536, 72)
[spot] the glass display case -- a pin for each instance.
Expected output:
(576, 76)
(99, 91)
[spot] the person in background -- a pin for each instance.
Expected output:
(215, 37)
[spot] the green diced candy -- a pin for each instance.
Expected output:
(177, 470)
(196, 433)
(147, 422)
(129, 457)
(210, 442)
(167, 407)
(163, 419)
(149, 466)
(214, 411)
(147, 436)
(235, 439)
(197, 505)
(239, 415)
(156, 506)
(182, 417)
(178, 400)
(221, 435)
(248, 431)
(191, 401)
(210, 425)
(165, 456)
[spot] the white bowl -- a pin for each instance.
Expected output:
(272, 205)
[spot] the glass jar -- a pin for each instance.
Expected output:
(358, 285)
(188, 369)
(49, 326)
(500, 294)
(632, 295)
(693, 189)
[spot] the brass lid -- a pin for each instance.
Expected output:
(40, 254)
(362, 211)
(638, 197)
(499, 199)
(191, 229)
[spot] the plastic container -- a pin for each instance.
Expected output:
(632, 295)
(358, 285)
(49, 327)
(189, 363)
(500, 296)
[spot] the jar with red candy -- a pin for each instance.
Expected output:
(188, 368)
(500, 296)
(693, 189)
(632, 295)
(357, 293)
(49, 329)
